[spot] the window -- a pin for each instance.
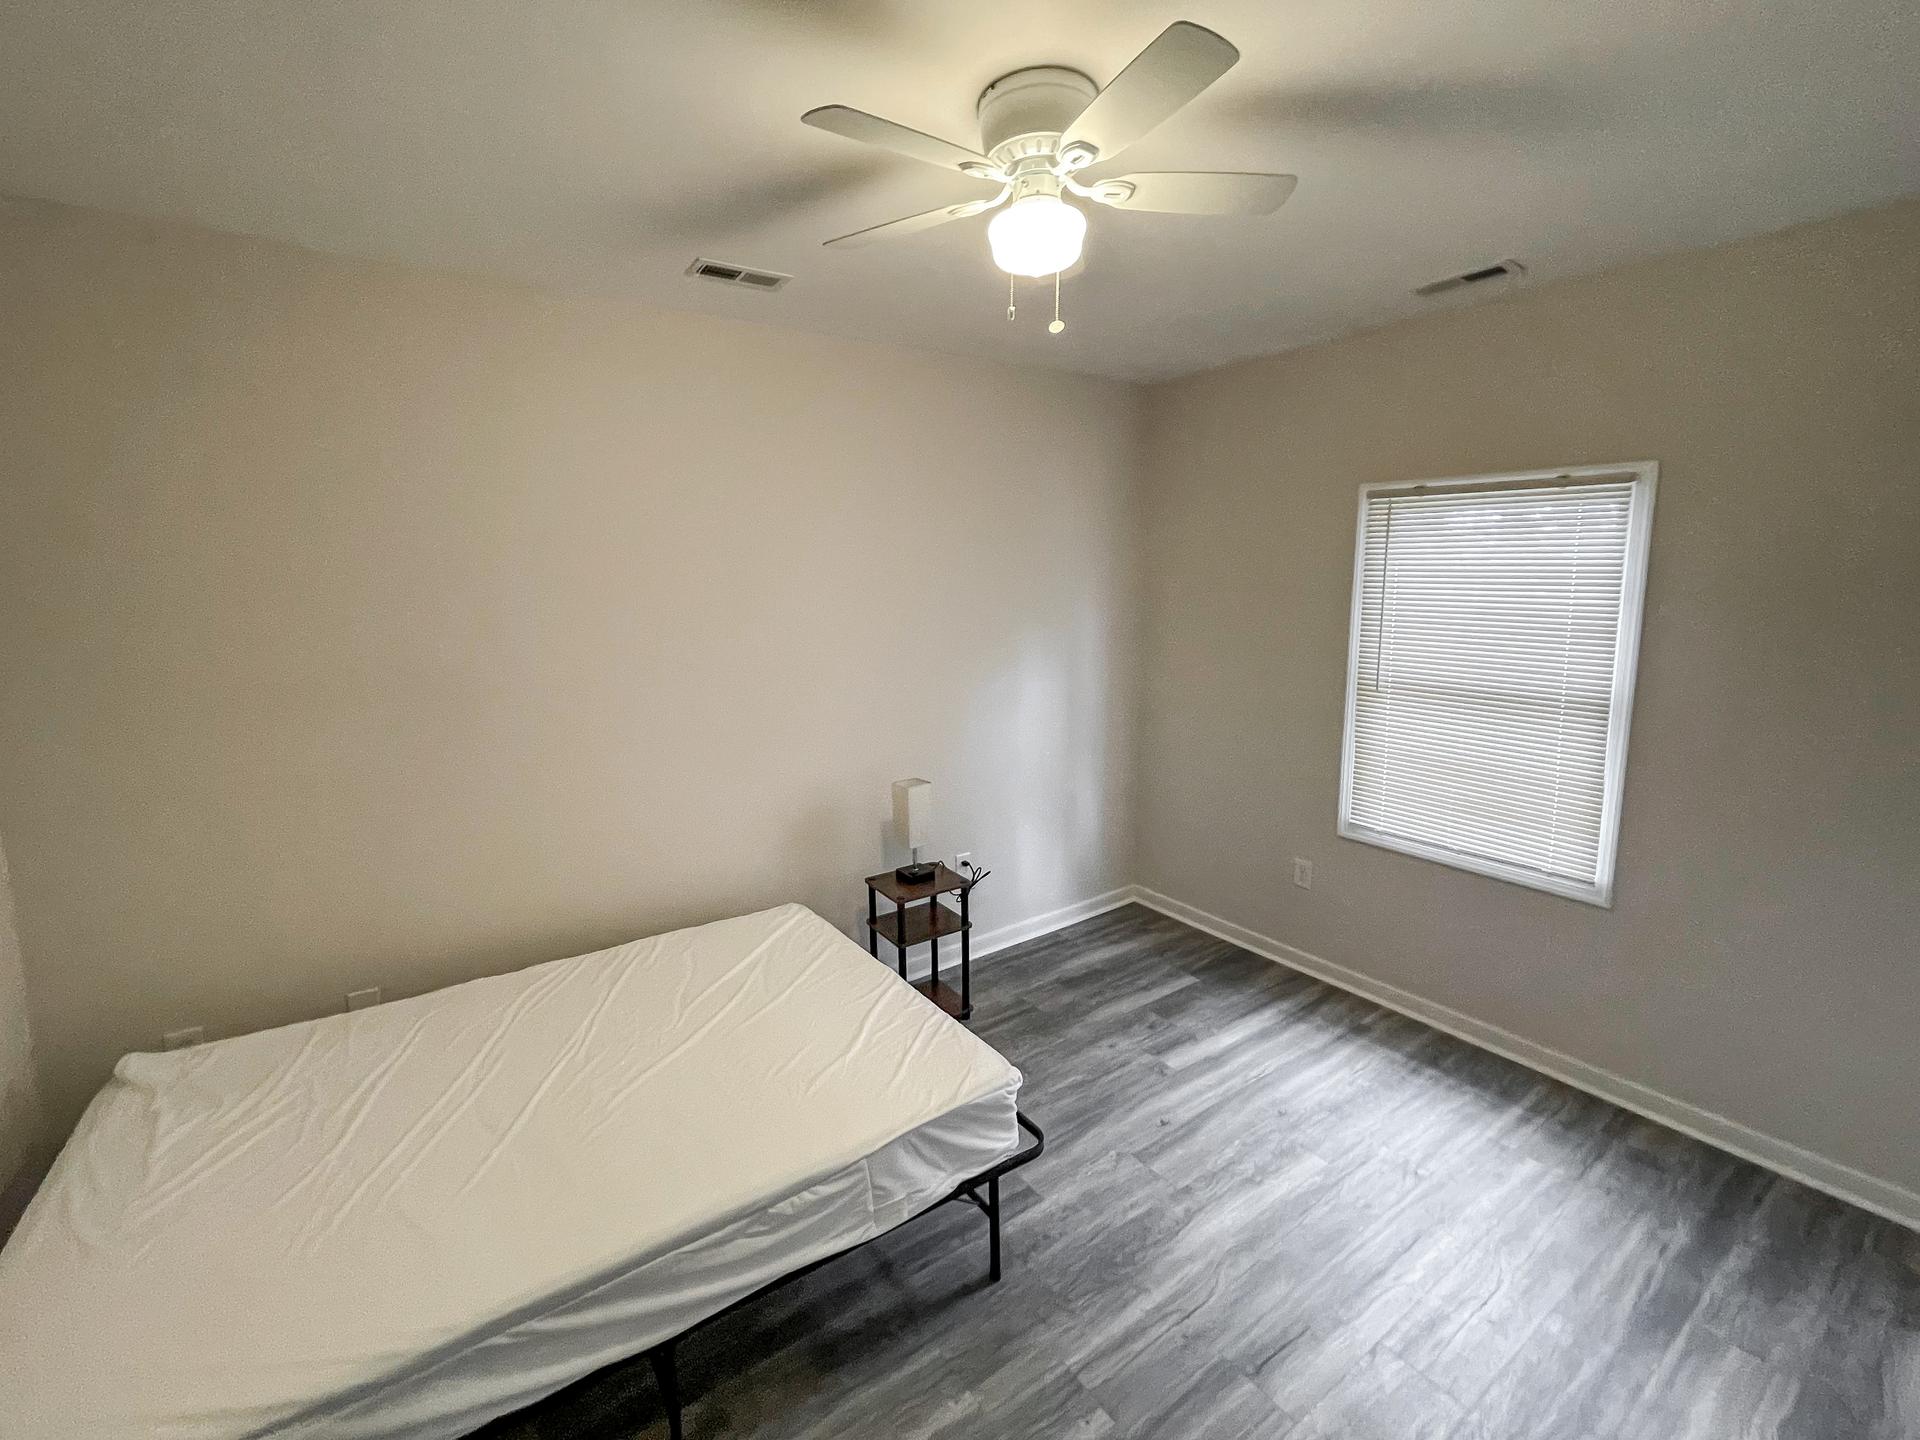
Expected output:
(1490, 672)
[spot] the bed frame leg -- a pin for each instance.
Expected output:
(993, 1229)
(669, 1382)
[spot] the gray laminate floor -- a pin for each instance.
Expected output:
(1270, 1209)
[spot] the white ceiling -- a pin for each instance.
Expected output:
(598, 145)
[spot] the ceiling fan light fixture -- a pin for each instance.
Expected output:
(1037, 235)
(1041, 127)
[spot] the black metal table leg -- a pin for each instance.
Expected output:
(933, 950)
(900, 950)
(873, 914)
(669, 1382)
(966, 957)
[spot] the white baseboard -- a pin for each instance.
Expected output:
(1856, 1187)
(1005, 937)
(1021, 931)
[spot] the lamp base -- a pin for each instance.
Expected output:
(918, 874)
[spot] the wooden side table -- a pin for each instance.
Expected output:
(912, 922)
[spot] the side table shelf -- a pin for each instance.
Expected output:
(919, 917)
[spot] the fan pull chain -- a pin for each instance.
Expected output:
(1058, 324)
(1009, 297)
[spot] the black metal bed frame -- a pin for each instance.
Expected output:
(662, 1355)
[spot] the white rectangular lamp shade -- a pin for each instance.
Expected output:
(912, 810)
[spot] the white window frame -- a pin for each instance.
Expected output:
(1644, 475)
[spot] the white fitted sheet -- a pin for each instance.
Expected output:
(408, 1220)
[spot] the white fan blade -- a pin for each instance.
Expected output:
(858, 125)
(1183, 61)
(1195, 192)
(912, 224)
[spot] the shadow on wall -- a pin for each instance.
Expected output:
(830, 825)
(26, 1176)
(22, 1160)
(1043, 722)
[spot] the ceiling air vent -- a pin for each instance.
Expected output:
(1498, 270)
(738, 275)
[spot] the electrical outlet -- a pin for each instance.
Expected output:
(361, 999)
(962, 860)
(181, 1039)
(1303, 873)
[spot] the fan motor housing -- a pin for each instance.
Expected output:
(1035, 104)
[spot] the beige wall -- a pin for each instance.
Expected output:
(370, 627)
(20, 1135)
(1762, 958)
(367, 627)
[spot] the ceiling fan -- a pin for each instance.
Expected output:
(1041, 126)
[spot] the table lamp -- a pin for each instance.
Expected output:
(912, 808)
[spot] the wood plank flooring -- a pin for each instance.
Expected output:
(1270, 1209)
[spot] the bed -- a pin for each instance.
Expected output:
(405, 1221)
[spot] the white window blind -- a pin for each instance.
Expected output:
(1495, 624)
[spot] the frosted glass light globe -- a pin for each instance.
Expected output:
(1037, 235)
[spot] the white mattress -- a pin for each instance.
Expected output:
(408, 1220)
